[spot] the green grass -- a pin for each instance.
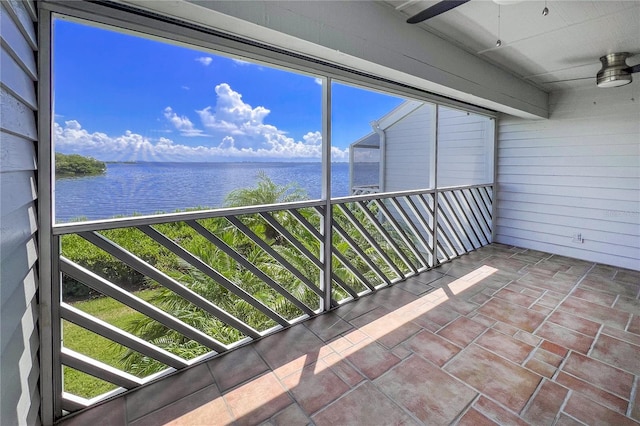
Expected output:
(95, 346)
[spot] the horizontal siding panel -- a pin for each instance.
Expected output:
(571, 151)
(534, 243)
(576, 182)
(18, 190)
(16, 117)
(615, 210)
(622, 137)
(601, 161)
(18, 11)
(16, 229)
(567, 191)
(16, 44)
(582, 127)
(604, 172)
(15, 266)
(16, 80)
(626, 234)
(16, 153)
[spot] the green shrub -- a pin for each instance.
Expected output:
(77, 165)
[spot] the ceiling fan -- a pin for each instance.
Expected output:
(614, 72)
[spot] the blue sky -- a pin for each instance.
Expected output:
(119, 97)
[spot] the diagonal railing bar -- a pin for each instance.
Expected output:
(72, 402)
(438, 247)
(343, 285)
(248, 265)
(486, 207)
(275, 255)
(212, 273)
(425, 225)
(105, 329)
(347, 264)
(355, 247)
(472, 217)
(98, 369)
(306, 224)
(109, 289)
(444, 229)
(390, 218)
(291, 239)
(489, 191)
(414, 230)
(367, 236)
(457, 222)
(479, 211)
(166, 281)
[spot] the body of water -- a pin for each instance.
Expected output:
(147, 188)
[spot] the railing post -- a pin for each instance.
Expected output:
(435, 186)
(327, 219)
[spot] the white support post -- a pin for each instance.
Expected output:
(327, 219)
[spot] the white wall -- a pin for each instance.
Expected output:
(465, 148)
(408, 151)
(19, 371)
(578, 172)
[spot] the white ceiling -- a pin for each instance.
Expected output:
(564, 45)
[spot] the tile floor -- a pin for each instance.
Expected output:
(499, 336)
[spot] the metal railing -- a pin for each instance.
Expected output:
(216, 279)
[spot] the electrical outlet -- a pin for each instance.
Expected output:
(577, 238)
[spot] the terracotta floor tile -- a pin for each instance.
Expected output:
(508, 347)
(432, 347)
(328, 326)
(394, 297)
(290, 350)
(479, 298)
(343, 369)
(203, 407)
(460, 306)
(594, 312)
(610, 286)
(428, 393)
(561, 351)
(348, 410)
(236, 367)
(527, 337)
(575, 323)
(157, 395)
(622, 335)
(497, 413)
(596, 394)
(507, 329)
(544, 310)
(481, 319)
(514, 315)
(589, 412)
(550, 299)
(509, 265)
(499, 379)
(635, 411)
(540, 367)
(634, 325)
(315, 386)
(618, 353)
(439, 315)
(546, 404)
(389, 330)
(538, 281)
(604, 271)
(628, 305)
(415, 285)
(474, 418)
(292, 415)
(356, 308)
(257, 400)
(604, 299)
(595, 372)
(628, 276)
(462, 331)
(548, 357)
(371, 359)
(565, 420)
(517, 298)
(565, 337)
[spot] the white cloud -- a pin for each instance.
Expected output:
(185, 87)
(241, 62)
(318, 81)
(182, 124)
(205, 60)
(236, 131)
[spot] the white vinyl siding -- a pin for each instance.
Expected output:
(408, 151)
(576, 173)
(465, 153)
(19, 368)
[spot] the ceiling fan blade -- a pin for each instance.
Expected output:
(435, 10)
(633, 69)
(568, 79)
